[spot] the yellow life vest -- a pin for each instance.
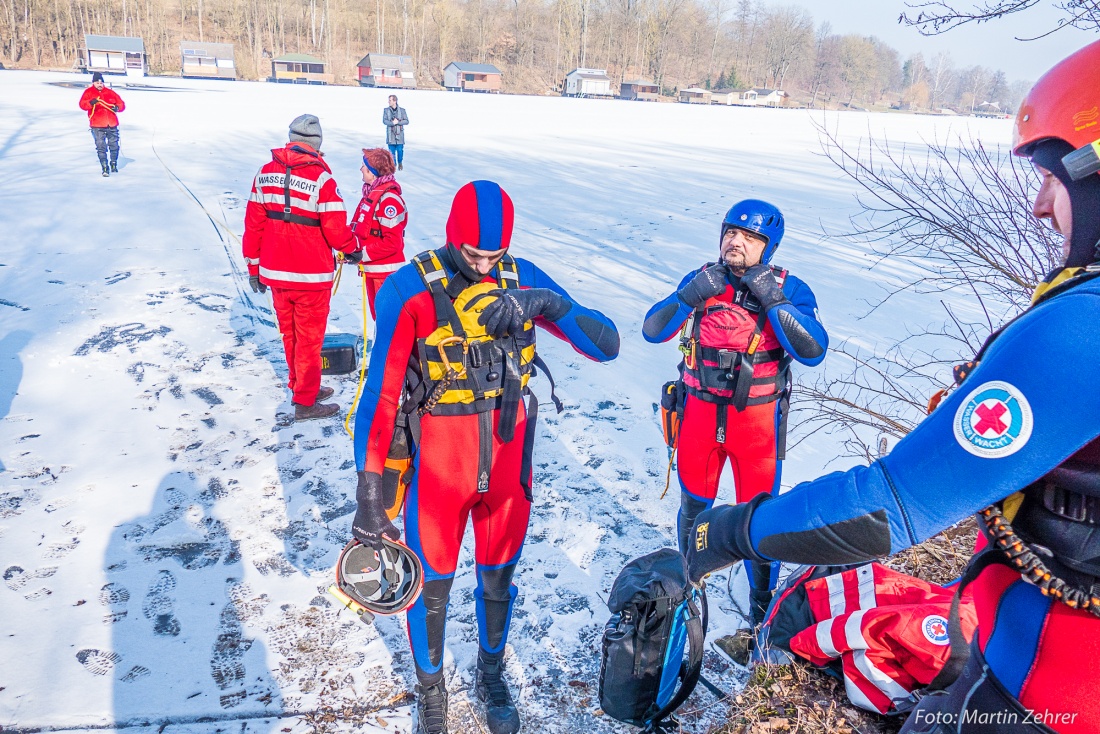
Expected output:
(462, 369)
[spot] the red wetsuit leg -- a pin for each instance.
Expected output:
(750, 444)
(700, 458)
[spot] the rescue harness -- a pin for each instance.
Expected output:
(458, 369)
(728, 376)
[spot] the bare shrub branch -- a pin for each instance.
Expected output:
(955, 216)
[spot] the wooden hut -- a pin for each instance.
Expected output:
(387, 70)
(587, 83)
(642, 89)
(207, 60)
(115, 55)
(694, 95)
(299, 69)
(462, 76)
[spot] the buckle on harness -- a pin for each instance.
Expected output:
(449, 341)
(286, 210)
(688, 350)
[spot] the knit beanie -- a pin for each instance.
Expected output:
(380, 160)
(97, 77)
(306, 129)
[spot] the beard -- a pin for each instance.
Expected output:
(735, 260)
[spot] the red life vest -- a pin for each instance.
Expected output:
(731, 353)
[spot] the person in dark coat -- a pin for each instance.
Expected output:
(395, 119)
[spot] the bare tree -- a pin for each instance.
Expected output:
(933, 18)
(958, 214)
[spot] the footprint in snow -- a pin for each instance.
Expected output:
(227, 660)
(60, 550)
(98, 662)
(15, 577)
(114, 597)
(159, 605)
(136, 672)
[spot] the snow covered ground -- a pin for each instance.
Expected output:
(165, 543)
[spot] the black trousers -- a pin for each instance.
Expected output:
(106, 138)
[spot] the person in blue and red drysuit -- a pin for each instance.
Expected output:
(747, 320)
(1018, 442)
(473, 456)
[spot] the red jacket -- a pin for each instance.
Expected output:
(100, 114)
(888, 629)
(293, 249)
(379, 226)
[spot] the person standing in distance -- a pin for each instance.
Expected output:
(294, 221)
(102, 105)
(395, 119)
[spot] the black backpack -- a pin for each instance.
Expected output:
(656, 615)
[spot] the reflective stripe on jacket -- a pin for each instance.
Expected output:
(294, 220)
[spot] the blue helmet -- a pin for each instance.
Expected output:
(758, 217)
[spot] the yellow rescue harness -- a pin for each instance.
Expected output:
(462, 370)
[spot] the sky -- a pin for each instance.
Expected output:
(991, 44)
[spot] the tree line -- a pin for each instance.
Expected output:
(675, 43)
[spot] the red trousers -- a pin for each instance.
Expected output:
(372, 284)
(303, 316)
(750, 446)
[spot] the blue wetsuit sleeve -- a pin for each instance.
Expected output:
(585, 329)
(1031, 403)
(667, 315)
(797, 326)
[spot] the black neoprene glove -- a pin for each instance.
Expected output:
(760, 281)
(371, 522)
(257, 286)
(353, 257)
(720, 538)
(511, 308)
(708, 283)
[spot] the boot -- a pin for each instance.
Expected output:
(400, 166)
(114, 166)
(431, 709)
(325, 393)
(760, 592)
(106, 172)
(315, 411)
(500, 711)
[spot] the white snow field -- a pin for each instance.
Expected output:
(166, 544)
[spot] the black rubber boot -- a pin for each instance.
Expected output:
(760, 592)
(106, 172)
(114, 166)
(500, 711)
(431, 708)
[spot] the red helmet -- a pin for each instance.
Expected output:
(1065, 104)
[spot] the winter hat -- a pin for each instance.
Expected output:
(481, 217)
(379, 161)
(97, 77)
(1084, 195)
(306, 129)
